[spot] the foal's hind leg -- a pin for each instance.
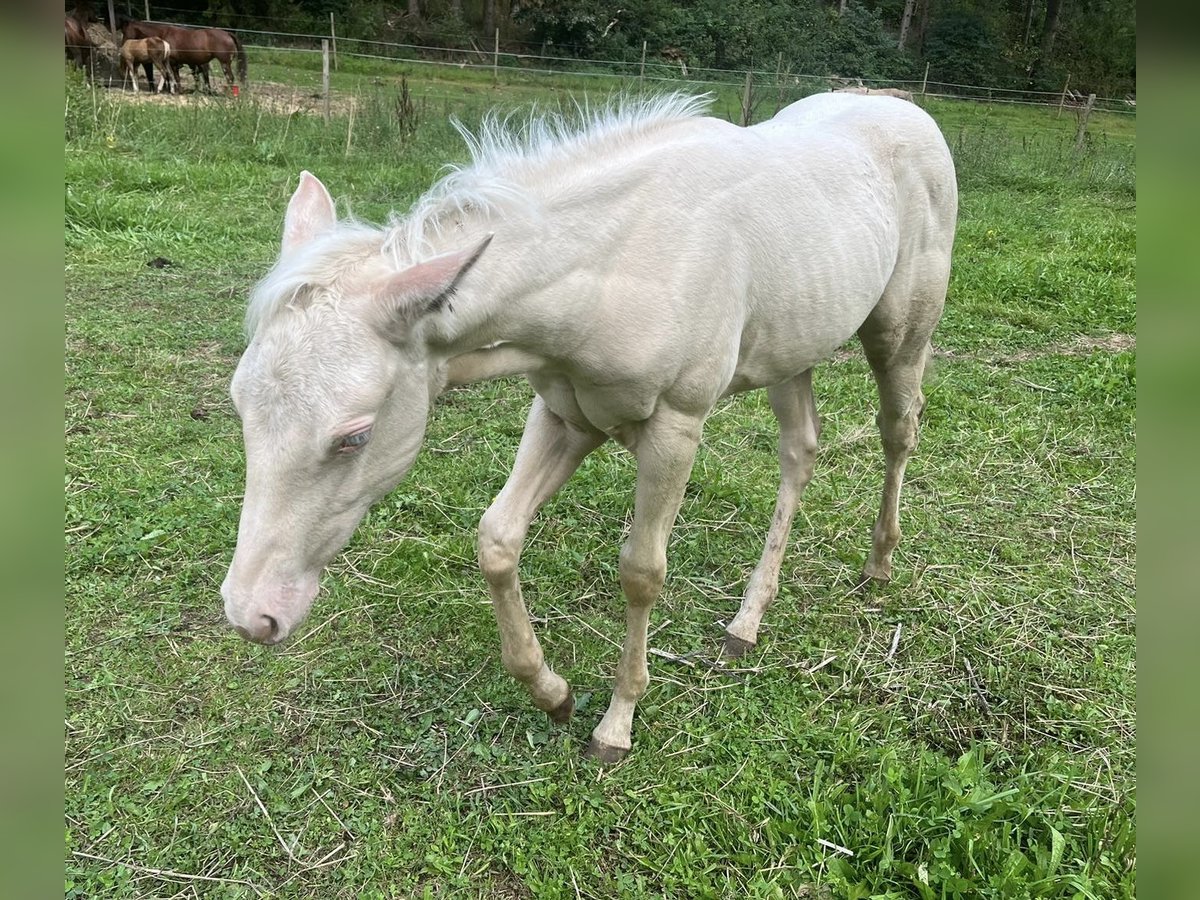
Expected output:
(551, 450)
(897, 357)
(799, 427)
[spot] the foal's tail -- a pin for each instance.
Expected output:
(241, 59)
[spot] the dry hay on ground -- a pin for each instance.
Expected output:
(271, 97)
(105, 55)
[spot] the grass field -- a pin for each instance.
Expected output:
(966, 732)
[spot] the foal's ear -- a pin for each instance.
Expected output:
(309, 212)
(426, 287)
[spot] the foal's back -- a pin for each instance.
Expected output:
(776, 242)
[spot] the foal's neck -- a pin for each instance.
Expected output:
(505, 316)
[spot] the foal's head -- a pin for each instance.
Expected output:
(334, 391)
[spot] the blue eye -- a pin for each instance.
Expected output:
(352, 442)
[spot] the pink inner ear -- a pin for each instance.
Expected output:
(309, 212)
(430, 279)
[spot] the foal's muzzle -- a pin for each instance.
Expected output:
(265, 632)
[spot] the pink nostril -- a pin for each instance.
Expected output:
(266, 633)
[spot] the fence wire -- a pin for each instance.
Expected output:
(649, 70)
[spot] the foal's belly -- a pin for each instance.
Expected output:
(775, 350)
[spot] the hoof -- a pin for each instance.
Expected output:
(604, 753)
(563, 712)
(868, 583)
(736, 647)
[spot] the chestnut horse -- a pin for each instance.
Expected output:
(79, 45)
(195, 47)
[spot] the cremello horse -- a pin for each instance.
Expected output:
(636, 271)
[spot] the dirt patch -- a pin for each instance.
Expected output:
(1113, 343)
(1080, 346)
(269, 96)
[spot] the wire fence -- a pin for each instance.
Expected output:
(507, 61)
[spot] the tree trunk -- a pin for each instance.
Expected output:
(489, 18)
(1049, 32)
(456, 8)
(918, 41)
(414, 10)
(842, 6)
(905, 21)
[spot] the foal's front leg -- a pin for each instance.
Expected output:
(665, 447)
(550, 452)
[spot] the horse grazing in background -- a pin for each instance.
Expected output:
(78, 44)
(148, 52)
(635, 271)
(193, 47)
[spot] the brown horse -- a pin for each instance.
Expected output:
(148, 52)
(79, 45)
(194, 47)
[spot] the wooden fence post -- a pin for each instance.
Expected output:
(1063, 98)
(925, 80)
(350, 123)
(496, 59)
(1081, 133)
(779, 92)
(746, 94)
(333, 39)
(642, 73)
(147, 10)
(325, 74)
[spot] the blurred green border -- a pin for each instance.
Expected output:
(1169, 318)
(31, 453)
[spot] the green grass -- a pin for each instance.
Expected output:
(385, 753)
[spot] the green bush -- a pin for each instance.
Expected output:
(805, 35)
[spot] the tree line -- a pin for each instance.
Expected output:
(1015, 44)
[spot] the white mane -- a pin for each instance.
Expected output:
(506, 157)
